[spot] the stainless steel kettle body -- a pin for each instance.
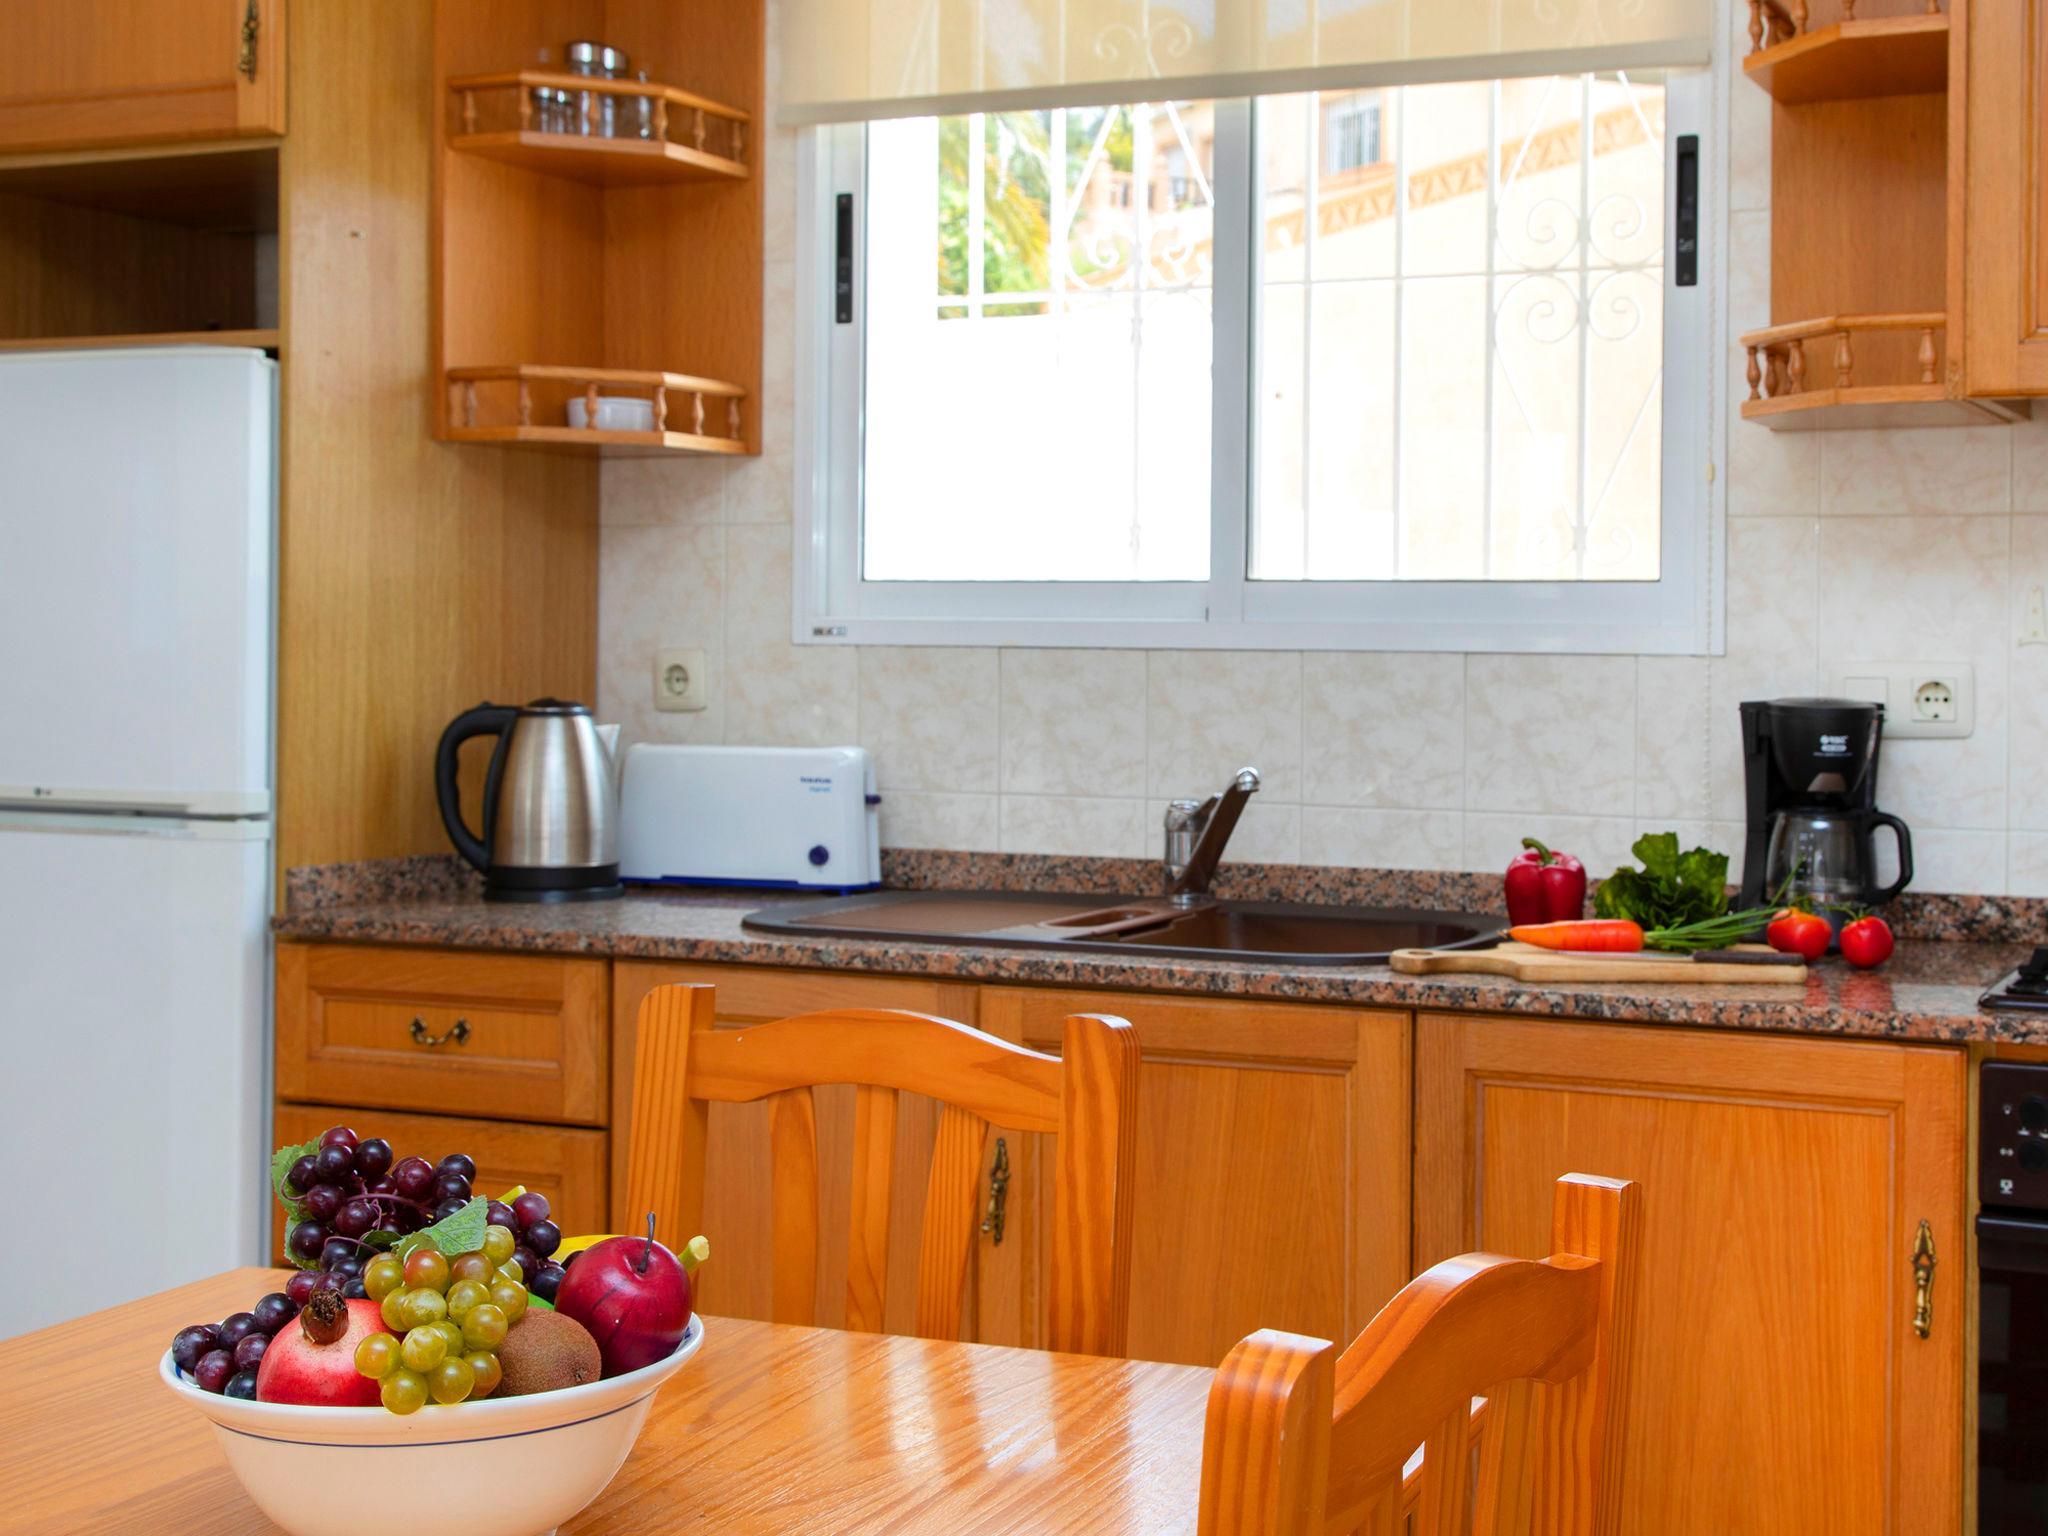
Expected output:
(551, 807)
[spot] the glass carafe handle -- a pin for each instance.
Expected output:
(1886, 819)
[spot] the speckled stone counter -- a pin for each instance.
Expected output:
(1928, 991)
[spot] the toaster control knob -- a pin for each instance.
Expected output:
(820, 854)
(2033, 1156)
(2034, 1113)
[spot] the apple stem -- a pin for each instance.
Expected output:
(647, 1253)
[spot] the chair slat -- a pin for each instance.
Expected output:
(1089, 1300)
(1446, 1476)
(951, 1221)
(793, 1196)
(1502, 1500)
(874, 1164)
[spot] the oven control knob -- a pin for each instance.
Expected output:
(2034, 1113)
(2033, 1156)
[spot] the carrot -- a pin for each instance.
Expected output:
(1601, 933)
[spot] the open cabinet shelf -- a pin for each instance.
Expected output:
(1876, 56)
(716, 133)
(691, 414)
(263, 338)
(1802, 376)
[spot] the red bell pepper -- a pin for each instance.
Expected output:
(1545, 887)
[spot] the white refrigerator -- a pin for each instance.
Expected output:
(137, 539)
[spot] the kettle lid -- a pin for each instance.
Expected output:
(553, 707)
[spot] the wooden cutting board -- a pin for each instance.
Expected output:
(1525, 962)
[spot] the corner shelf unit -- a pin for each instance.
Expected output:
(573, 265)
(1865, 230)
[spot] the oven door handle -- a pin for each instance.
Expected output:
(2014, 1244)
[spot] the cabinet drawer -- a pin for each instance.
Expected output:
(515, 1037)
(567, 1166)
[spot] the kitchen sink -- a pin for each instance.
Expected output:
(1218, 930)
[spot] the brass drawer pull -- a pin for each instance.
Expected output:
(998, 1192)
(456, 1032)
(1923, 1281)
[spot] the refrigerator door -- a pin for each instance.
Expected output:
(133, 1114)
(135, 592)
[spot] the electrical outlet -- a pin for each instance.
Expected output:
(2034, 618)
(1920, 698)
(680, 680)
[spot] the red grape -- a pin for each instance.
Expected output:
(307, 1239)
(234, 1328)
(299, 1289)
(543, 1237)
(530, 1207)
(322, 1201)
(355, 1217)
(213, 1370)
(242, 1384)
(302, 1174)
(413, 1177)
(273, 1312)
(333, 1164)
(339, 1136)
(373, 1158)
(500, 1215)
(191, 1343)
(456, 1163)
(249, 1353)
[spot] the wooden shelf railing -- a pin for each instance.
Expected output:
(1777, 354)
(683, 419)
(711, 128)
(1772, 22)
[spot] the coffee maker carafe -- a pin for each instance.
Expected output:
(1811, 769)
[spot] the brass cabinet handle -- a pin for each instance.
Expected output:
(456, 1033)
(998, 1192)
(252, 28)
(1923, 1280)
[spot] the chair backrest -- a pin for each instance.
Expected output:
(1087, 1097)
(1301, 1439)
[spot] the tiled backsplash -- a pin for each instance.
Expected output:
(1842, 546)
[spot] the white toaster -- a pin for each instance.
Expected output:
(802, 817)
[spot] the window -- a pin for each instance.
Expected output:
(1377, 369)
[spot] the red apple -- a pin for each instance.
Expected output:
(297, 1370)
(634, 1297)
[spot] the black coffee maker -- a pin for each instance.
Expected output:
(1811, 766)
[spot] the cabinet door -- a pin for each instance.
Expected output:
(1272, 1187)
(569, 1167)
(1779, 1382)
(80, 73)
(2003, 49)
(739, 1279)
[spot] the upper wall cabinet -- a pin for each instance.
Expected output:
(83, 74)
(598, 235)
(1905, 141)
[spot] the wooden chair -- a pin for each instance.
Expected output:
(1301, 1439)
(1087, 1097)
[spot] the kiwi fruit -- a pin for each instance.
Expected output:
(545, 1352)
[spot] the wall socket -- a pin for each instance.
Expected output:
(680, 680)
(1920, 698)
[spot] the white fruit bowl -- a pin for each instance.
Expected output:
(508, 1466)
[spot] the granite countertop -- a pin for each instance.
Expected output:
(1927, 991)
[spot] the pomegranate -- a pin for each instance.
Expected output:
(296, 1369)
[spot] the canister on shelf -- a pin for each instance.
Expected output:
(594, 113)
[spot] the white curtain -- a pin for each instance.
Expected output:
(852, 60)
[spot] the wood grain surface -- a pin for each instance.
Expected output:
(770, 1429)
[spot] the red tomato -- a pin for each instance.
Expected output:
(1793, 932)
(1867, 943)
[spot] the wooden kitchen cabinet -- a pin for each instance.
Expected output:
(1273, 1155)
(78, 74)
(1780, 1384)
(737, 1282)
(2003, 59)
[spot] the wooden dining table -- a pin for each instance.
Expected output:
(770, 1428)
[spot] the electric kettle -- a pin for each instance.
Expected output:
(551, 802)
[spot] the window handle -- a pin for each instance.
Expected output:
(842, 260)
(1686, 246)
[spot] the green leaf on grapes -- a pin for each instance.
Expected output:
(281, 1164)
(380, 1239)
(534, 1300)
(455, 1234)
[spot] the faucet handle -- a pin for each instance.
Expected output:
(1185, 820)
(1247, 780)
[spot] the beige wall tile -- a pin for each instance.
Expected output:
(1269, 832)
(929, 715)
(1069, 824)
(1210, 713)
(636, 493)
(2027, 864)
(1952, 470)
(779, 694)
(659, 586)
(1601, 843)
(2030, 463)
(1773, 639)
(1383, 729)
(2027, 756)
(1073, 722)
(1550, 733)
(913, 819)
(1948, 860)
(1387, 839)
(1674, 759)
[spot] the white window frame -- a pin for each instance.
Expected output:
(1681, 613)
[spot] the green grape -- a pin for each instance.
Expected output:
(423, 1306)
(499, 1243)
(395, 1306)
(510, 1298)
(463, 1295)
(424, 1348)
(512, 1272)
(452, 1380)
(472, 1266)
(377, 1355)
(404, 1391)
(485, 1326)
(426, 1267)
(382, 1275)
(488, 1372)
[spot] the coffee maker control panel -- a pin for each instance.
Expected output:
(2012, 1134)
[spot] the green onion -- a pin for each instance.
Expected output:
(1722, 932)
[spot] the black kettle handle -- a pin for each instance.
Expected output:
(1886, 819)
(484, 720)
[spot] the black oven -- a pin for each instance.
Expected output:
(2012, 1336)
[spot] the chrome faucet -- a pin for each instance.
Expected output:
(1196, 834)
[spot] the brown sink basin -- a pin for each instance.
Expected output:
(1222, 930)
